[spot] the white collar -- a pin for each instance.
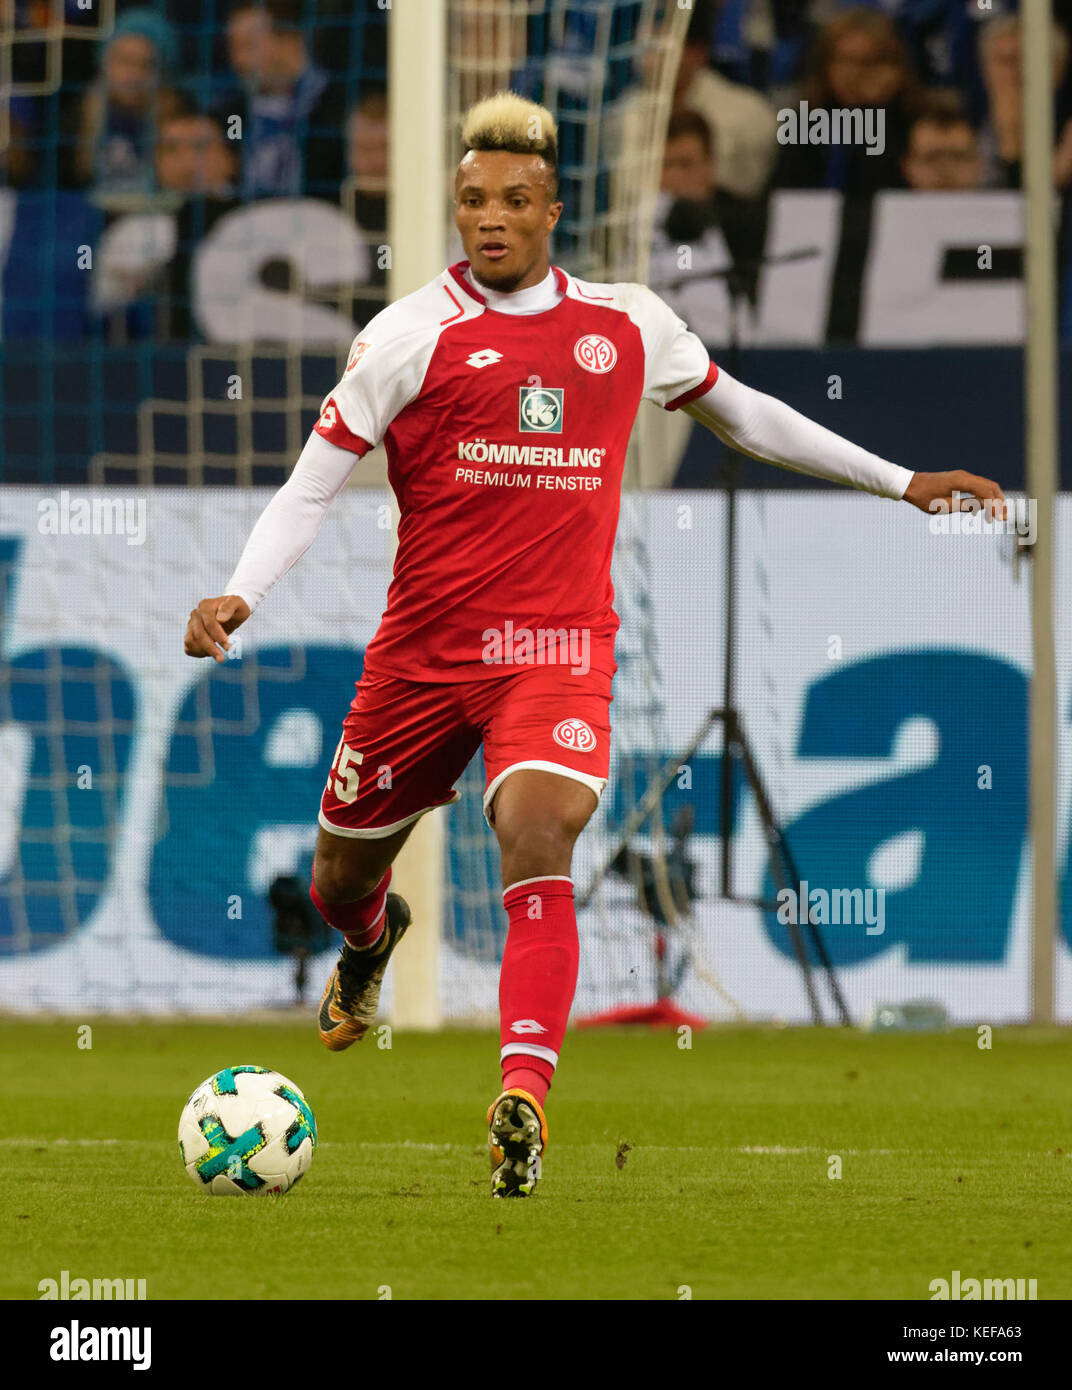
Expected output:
(535, 299)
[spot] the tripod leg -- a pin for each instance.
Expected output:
(735, 741)
(780, 848)
(817, 941)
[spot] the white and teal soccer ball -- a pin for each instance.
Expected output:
(246, 1130)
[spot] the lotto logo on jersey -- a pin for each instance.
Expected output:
(486, 357)
(574, 734)
(595, 353)
(540, 409)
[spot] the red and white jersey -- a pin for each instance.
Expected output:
(506, 437)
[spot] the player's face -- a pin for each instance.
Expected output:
(505, 213)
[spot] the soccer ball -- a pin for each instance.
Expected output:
(246, 1130)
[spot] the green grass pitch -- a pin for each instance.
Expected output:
(952, 1157)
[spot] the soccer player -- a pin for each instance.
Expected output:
(505, 391)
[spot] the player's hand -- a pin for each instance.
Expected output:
(211, 621)
(949, 492)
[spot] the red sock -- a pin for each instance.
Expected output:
(360, 922)
(523, 1078)
(537, 980)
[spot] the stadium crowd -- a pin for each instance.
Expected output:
(185, 119)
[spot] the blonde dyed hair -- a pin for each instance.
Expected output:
(507, 121)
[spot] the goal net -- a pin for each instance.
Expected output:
(148, 803)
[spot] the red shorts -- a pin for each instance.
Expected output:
(404, 743)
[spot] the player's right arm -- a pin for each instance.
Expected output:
(286, 529)
(384, 369)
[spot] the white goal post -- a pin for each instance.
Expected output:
(416, 37)
(1041, 452)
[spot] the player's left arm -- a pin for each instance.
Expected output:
(769, 430)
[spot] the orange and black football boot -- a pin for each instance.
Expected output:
(349, 1003)
(517, 1137)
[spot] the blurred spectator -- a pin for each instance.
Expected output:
(702, 231)
(366, 193)
(142, 273)
(742, 121)
(122, 111)
(1002, 134)
(194, 156)
(940, 36)
(292, 113)
(27, 67)
(27, 14)
(858, 63)
(762, 42)
(765, 42)
(943, 150)
(367, 159)
(18, 159)
(689, 159)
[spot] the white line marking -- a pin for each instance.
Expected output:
(68, 1143)
(775, 1150)
(781, 1149)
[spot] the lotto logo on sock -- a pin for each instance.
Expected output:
(574, 734)
(526, 1025)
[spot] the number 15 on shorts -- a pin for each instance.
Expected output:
(343, 777)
